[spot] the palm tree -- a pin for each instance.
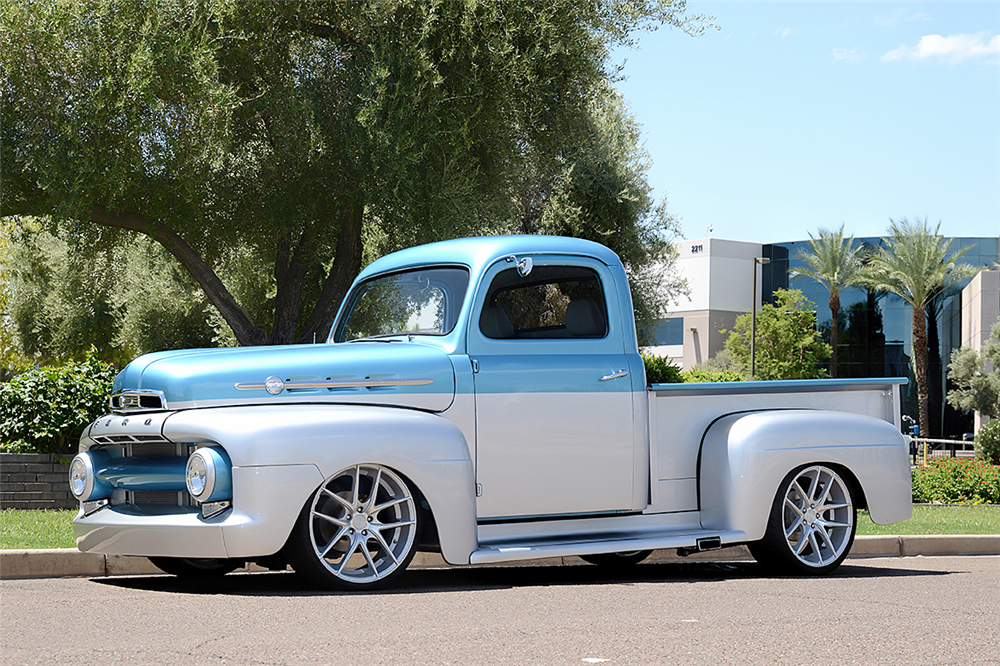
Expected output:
(836, 265)
(914, 264)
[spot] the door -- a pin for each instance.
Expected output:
(554, 424)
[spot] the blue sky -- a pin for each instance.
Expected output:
(800, 115)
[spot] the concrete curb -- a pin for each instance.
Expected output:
(61, 562)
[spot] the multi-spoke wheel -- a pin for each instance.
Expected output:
(811, 525)
(195, 567)
(624, 559)
(359, 529)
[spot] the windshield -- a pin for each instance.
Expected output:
(425, 301)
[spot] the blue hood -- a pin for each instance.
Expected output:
(419, 376)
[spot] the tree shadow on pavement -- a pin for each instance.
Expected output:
(463, 579)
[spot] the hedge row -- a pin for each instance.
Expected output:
(957, 481)
(45, 410)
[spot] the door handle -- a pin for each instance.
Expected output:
(620, 373)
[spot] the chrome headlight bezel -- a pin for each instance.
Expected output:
(208, 475)
(84, 483)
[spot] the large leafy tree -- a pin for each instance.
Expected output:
(916, 265)
(290, 131)
(835, 263)
(788, 345)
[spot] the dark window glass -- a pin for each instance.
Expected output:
(550, 302)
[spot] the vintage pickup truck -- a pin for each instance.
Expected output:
(483, 398)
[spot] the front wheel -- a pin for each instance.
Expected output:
(811, 525)
(195, 567)
(358, 531)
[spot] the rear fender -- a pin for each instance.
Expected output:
(745, 456)
(427, 449)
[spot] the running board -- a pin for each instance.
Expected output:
(533, 551)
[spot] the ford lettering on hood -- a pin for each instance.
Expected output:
(381, 373)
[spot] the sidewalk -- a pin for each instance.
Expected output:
(71, 562)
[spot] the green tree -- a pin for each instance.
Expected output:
(915, 264)
(119, 298)
(287, 132)
(788, 345)
(836, 264)
(977, 376)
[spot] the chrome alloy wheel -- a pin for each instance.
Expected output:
(363, 524)
(817, 516)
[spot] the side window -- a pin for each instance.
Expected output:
(551, 302)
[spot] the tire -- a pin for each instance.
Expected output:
(358, 531)
(195, 567)
(625, 559)
(812, 523)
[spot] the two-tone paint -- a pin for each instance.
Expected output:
(520, 448)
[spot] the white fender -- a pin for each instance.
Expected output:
(745, 456)
(429, 450)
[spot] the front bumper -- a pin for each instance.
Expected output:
(267, 500)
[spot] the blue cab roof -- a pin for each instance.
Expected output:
(479, 252)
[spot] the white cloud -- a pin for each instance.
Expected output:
(954, 48)
(850, 55)
(783, 31)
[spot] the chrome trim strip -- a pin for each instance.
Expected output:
(354, 383)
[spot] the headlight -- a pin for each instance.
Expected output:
(83, 480)
(209, 475)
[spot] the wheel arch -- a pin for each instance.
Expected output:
(745, 456)
(424, 448)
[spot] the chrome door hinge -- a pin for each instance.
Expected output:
(475, 366)
(479, 490)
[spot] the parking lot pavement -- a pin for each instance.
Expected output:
(921, 610)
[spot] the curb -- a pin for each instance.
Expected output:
(62, 562)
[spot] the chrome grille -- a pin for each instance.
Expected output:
(147, 446)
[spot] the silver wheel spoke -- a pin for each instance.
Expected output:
(371, 562)
(385, 505)
(375, 487)
(794, 507)
(357, 486)
(344, 503)
(333, 542)
(796, 525)
(350, 551)
(335, 521)
(385, 546)
(386, 526)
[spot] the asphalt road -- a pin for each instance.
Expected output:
(914, 610)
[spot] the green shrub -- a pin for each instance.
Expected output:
(46, 410)
(659, 370)
(988, 442)
(957, 481)
(696, 375)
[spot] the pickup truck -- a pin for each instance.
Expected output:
(485, 399)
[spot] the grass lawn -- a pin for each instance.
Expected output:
(52, 529)
(36, 529)
(938, 520)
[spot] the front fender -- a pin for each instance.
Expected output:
(427, 449)
(745, 456)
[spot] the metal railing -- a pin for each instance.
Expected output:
(922, 447)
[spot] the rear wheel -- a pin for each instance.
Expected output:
(811, 525)
(624, 559)
(195, 567)
(358, 531)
